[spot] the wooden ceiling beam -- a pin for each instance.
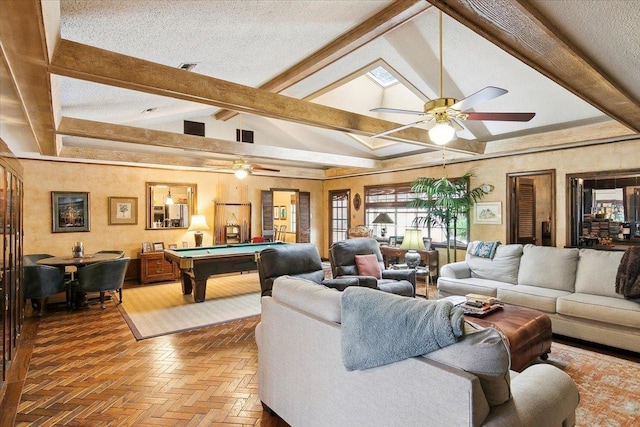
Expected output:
(379, 24)
(134, 135)
(162, 160)
(89, 63)
(519, 29)
(23, 48)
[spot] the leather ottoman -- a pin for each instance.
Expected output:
(528, 332)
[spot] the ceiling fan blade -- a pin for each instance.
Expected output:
(398, 111)
(505, 117)
(262, 168)
(387, 132)
(462, 131)
(483, 95)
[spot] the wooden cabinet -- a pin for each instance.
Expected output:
(154, 268)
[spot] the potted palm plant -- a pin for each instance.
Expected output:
(444, 201)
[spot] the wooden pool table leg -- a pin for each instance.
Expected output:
(199, 289)
(187, 286)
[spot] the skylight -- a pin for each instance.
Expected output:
(382, 77)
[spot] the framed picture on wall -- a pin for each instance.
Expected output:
(276, 212)
(488, 213)
(283, 212)
(70, 211)
(123, 210)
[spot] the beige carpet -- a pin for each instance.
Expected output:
(155, 310)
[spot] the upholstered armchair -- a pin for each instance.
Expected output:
(41, 281)
(361, 258)
(102, 277)
(300, 260)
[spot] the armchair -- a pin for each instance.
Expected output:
(41, 281)
(101, 277)
(342, 255)
(300, 260)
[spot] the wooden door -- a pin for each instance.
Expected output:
(525, 224)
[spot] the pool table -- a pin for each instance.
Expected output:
(198, 264)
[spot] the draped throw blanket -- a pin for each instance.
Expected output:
(485, 249)
(628, 276)
(380, 328)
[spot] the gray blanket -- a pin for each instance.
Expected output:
(380, 328)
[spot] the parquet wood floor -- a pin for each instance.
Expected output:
(86, 369)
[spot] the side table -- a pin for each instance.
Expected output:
(154, 268)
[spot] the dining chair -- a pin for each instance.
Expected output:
(102, 277)
(257, 239)
(41, 281)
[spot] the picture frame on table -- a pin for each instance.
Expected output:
(392, 241)
(123, 210)
(70, 212)
(158, 246)
(146, 247)
(172, 246)
(488, 213)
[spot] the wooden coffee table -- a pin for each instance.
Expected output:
(527, 330)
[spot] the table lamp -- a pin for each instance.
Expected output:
(383, 218)
(198, 224)
(412, 242)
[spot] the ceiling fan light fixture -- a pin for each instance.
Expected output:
(442, 133)
(241, 174)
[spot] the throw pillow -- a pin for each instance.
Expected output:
(484, 354)
(368, 266)
(485, 249)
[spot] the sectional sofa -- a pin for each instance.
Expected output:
(575, 287)
(302, 374)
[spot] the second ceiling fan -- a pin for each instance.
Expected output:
(242, 168)
(443, 111)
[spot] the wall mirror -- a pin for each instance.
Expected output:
(169, 205)
(605, 205)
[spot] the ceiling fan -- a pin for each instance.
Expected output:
(242, 168)
(443, 111)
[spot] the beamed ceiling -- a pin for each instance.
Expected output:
(99, 80)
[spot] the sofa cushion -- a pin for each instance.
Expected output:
(484, 354)
(548, 267)
(597, 271)
(451, 286)
(543, 299)
(310, 297)
(503, 267)
(368, 265)
(616, 311)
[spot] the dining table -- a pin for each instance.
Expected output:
(76, 300)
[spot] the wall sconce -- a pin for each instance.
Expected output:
(487, 188)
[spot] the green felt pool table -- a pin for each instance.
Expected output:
(198, 264)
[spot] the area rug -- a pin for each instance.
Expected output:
(155, 310)
(609, 386)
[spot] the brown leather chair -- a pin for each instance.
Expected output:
(342, 255)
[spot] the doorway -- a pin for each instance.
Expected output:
(286, 215)
(531, 207)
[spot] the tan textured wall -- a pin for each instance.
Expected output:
(604, 157)
(104, 181)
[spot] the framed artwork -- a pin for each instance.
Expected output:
(283, 212)
(158, 246)
(392, 241)
(146, 247)
(70, 211)
(123, 210)
(488, 213)
(276, 212)
(172, 246)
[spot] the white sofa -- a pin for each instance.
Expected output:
(302, 377)
(574, 287)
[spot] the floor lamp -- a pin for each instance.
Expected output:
(198, 224)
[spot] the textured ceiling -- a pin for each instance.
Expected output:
(251, 42)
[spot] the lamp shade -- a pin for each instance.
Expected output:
(198, 223)
(383, 218)
(412, 240)
(442, 133)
